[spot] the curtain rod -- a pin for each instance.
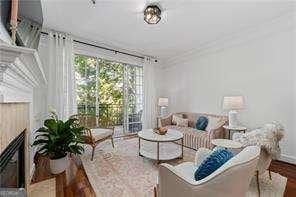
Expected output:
(105, 48)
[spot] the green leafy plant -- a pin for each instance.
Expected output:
(57, 138)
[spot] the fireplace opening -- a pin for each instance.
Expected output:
(12, 164)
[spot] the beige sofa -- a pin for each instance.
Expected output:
(194, 138)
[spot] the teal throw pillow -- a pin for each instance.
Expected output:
(212, 163)
(202, 123)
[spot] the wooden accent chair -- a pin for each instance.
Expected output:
(94, 131)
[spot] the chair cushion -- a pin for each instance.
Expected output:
(100, 133)
(212, 163)
(201, 123)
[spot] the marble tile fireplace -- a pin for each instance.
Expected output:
(12, 164)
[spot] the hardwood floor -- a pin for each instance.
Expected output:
(289, 171)
(74, 181)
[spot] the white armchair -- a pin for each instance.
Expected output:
(231, 180)
(263, 162)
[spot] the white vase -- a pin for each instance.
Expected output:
(232, 118)
(58, 165)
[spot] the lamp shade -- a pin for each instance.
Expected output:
(233, 102)
(163, 102)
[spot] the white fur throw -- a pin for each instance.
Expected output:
(267, 137)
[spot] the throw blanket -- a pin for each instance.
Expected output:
(267, 137)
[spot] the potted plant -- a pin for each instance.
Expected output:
(58, 138)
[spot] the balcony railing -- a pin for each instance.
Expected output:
(113, 114)
(107, 112)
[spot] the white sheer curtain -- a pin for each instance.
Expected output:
(61, 75)
(150, 100)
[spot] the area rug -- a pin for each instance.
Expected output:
(122, 172)
(269, 188)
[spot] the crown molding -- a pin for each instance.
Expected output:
(282, 23)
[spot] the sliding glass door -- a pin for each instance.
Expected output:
(86, 84)
(111, 90)
(133, 98)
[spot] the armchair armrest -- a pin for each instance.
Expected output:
(172, 183)
(201, 154)
(166, 120)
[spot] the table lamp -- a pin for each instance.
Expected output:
(163, 104)
(233, 103)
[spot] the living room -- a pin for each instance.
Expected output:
(147, 98)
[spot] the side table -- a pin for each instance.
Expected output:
(234, 129)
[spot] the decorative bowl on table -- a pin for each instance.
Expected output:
(160, 130)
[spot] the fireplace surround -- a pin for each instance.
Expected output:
(12, 163)
(22, 100)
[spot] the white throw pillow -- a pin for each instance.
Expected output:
(181, 122)
(201, 155)
(175, 117)
(212, 122)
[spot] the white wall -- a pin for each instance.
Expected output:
(262, 70)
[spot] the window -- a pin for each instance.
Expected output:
(112, 90)
(86, 82)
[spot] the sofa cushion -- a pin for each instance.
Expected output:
(212, 163)
(193, 138)
(186, 130)
(202, 123)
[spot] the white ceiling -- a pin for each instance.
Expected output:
(185, 24)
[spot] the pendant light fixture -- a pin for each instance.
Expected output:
(152, 14)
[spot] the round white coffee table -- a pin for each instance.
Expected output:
(231, 144)
(160, 147)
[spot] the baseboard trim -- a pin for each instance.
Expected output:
(288, 159)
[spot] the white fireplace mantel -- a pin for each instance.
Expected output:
(22, 79)
(20, 72)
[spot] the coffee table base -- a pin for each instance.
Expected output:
(160, 151)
